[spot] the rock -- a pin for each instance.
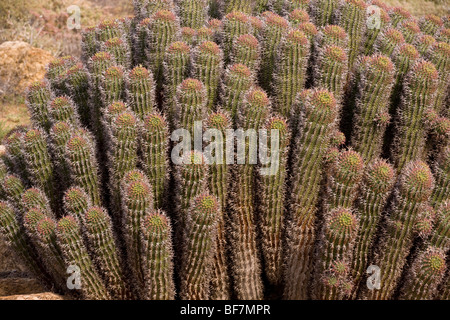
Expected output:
(9, 260)
(37, 296)
(20, 65)
(18, 286)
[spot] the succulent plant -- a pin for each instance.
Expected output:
(290, 70)
(410, 132)
(199, 241)
(237, 81)
(309, 150)
(176, 63)
(218, 185)
(275, 30)
(377, 183)
(272, 183)
(207, 67)
(157, 261)
(70, 241)
(154, 149)
(410, 195)
(246, 265)
(246, 50)
(375, 81)
(157, 151)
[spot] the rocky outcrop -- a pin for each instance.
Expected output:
(20, 65)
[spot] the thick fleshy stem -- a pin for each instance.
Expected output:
(176, 68)
(112, 85)
(193, 13)
(157, 257)
(330, 70)
(154, 144)
(388, 41)
(410, 30)
(375, 82)
(441, 169)
(39, 163)
(290, 70)
(38, 95)
(122, 149)
(410, 197)
(418, 96)
(430, 24)
(377, 183)
(398, 15)
(147, 8)
(76, 78)
(336, 241)
(34, 198)
(428, 267)
(425, 275)
(137, 200)
(245, 6)
(246, 263)
(76, 202)
(43, 237)
(14, 156)
(13, 189)
(88, 43)
(204, 34)
(76, 255)
(141, 91)
(272, 184)
(208, 68)
(310, 146)
(440, 56)
(234, 24)
(163, 29)
(63, 109)
(237, 81)
(101, 241)
(191, 106)
(59, 136)
(322, 11)
(120, 50)
(424, 43)
(352, 17)
(374, 30)
(218, 184)
(276, 28)
(188, 36)
(297, 17)
(80, 155)
(199, 246)
(246, 51)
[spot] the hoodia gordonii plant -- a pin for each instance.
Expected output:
(157, 258)
(410, 196)
(418, 95)
(310, 144)
(428, 267)
(199, 240)
(377, 182)
(272, 181)
(290, 70)
(375, 80)
(219, 185)
(246, 264)
(132, 167)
